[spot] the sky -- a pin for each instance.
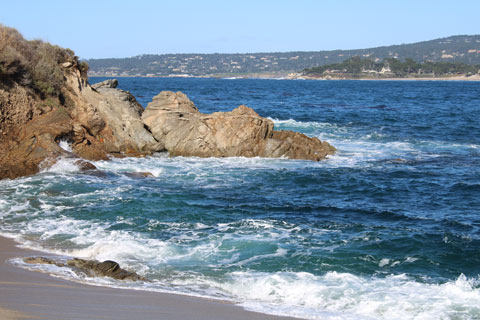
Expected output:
(115, 29)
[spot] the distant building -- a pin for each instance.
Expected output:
(386, 69)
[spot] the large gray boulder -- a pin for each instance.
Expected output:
(177, 124)
(175, 121)
(122, 115)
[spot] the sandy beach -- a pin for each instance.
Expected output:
(26, 294)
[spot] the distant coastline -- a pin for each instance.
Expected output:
(440, 78)
(455, 49)
(295, 76)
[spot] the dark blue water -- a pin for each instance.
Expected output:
(389, 227)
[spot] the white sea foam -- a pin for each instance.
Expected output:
(65, 145)
(63, 165)
(294, 124)
(127, 165)
(345, 296)
(209, 173)
(323, 296)
(354, 150)
(384, 262)
(301, 294)
(410, 259)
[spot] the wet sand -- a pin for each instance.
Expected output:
(27, 294)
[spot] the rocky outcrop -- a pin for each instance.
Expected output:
(90, 268)
(177, 124)
(122, 115)
(107, 121)
(45, 98)
(26, 147)
(97, 123)
(109, 83)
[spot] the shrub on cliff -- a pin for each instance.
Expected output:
(12, 61)
(36, 64)
(47, 73)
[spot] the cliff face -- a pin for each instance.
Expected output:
(43, 102)
(106, 121)
(97, 124)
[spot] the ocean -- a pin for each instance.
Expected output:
(387, 228)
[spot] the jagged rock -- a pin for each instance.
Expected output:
(126, 132)
(88, 124)
(32, 143)
(176, 123)
(91, 268)
(295, 145)
(85, 165)
(98, 124)
(104, 269)
(107, 121)
(110, 83)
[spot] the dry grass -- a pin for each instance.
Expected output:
(36, 64)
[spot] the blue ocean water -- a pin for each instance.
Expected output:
(388, 228)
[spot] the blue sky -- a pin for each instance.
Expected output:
(102, 29)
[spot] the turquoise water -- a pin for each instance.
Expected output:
(388, 228)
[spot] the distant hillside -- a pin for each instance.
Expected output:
(365, 68)
(463, 48)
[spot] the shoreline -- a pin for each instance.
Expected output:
(455, 78)
(26, 294)
(472, 78)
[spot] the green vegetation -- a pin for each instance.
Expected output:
(357, 67)
(464, 49)
(409, 66)
(35, 64)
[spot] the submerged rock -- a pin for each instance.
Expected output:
(176, 123)
(106, 268)
(42, 260)
(91, 268)
(85, 165)
(139, 174)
